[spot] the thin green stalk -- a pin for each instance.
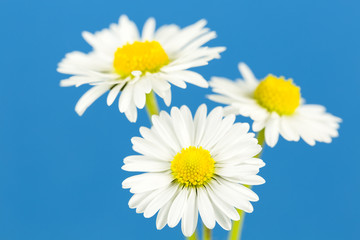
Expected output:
(151, 104)
(261, 139)
(206, 233)
(236, 230)
(237, 226)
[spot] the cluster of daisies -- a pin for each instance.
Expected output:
(199, 165)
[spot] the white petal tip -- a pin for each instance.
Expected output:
(188, 235)
(136, 73)
(205, 85)
(249, 210)
(171, 225)
(160, 226)
(147, 215)
(221, 49)
(242, 64)
(238, 218)
(80, 113)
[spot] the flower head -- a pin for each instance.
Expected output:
(127, 64)
(275, 103)
(193, 165)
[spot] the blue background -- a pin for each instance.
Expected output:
(60, 175)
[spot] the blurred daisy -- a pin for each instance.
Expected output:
(193, 166)
(275, 105)
(124, 62)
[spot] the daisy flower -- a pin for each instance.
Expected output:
(131, 65)
(275, 104)
(193, 166)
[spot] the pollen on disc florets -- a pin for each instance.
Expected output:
(148, 56)
(193, 166)
(278, 95)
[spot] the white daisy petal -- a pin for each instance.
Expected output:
(316, 124)
(223, 206)
(237, 170)
(232, 197)
(167, 97)
(188, 120)
(195, 78)
(160, 87)
(163, 214)
(125, 98)
(146, 200)
(247, 74)
(159, 201)
(251, 180)
(163, 126)
(190, 218)
(203, 53)
(150, 148)
(258, 125)
(148, 30)
(139, 96)
(175, 80)
(177, 208)
(225, 126)
(166, 32)
(113, 94)
(200, 41)
(131, 112)
(222, 219)
(136, 199)
(179, 123)
(89, 97)
(186, 35)
(240, 189)
(199, 123)
(239, 129)
(213, 122)
(272, 130)
(146, 182)
(206, 210)
(146, 166)
(287, 130)
(81, 64)
(154, 137)
(128, 29)
(184, 65)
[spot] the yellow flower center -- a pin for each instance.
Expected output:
(140, 56)
(278, 95)
(193, 166)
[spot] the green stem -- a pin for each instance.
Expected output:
(206, 233)
(261, 139)
(151, 104)
(237, 227)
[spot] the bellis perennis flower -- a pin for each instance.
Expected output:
(275, 104)
(193, 166)
(131, 65)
